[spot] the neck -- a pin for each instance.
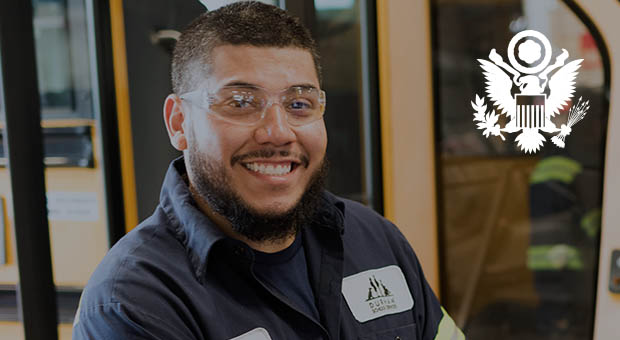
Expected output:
(270, 246)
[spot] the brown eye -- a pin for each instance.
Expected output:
(241, 101)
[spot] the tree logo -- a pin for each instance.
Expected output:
(377, 289)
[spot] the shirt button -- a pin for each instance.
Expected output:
(397, 338)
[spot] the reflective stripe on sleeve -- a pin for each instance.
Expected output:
(447, 329)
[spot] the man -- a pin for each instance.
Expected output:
(245, 243)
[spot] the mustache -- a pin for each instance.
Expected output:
(268, 153)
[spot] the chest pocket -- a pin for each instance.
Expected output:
(401, 333)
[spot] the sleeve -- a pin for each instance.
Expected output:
(434, 323)
(438, 325)
(114, 321)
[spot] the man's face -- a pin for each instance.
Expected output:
(231, 150)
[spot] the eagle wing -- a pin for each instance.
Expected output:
(561, 87)
(498, 87)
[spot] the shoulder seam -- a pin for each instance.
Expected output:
(124, 262)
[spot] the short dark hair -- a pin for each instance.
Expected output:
(241, 23)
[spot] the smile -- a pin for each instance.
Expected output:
(270, 169)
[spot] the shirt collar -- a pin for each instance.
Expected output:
(199, 234)
(330, 213)
(192, 227)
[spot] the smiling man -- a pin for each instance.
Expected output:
(254, 140)
(245, 242)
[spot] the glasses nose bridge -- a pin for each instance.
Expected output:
(274, 99)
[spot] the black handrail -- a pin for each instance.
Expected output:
(24, 141)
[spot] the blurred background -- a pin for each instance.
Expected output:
(516, 245)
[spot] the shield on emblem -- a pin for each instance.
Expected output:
(530, 111)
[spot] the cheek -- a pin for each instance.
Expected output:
(221, 140)
(205, 137)
(314, 139)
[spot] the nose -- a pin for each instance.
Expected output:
(274, 127)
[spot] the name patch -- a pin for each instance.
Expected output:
(377, 292)
(255, 334)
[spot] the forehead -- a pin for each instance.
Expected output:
(268, 67)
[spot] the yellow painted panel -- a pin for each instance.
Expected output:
(385, 108)
(77, 247)
(403, 29)
(121, 83)
(15, 331)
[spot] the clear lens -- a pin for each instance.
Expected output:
(303, 105)
(247, 106)
(238, 104)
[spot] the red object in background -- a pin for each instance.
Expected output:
(589, 50)
(587, 42)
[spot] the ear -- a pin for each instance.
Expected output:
(174, 116)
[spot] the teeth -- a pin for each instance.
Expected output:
(269, 169)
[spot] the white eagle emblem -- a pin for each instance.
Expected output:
(530, 109)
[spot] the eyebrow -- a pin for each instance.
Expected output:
(250, 85)
(240, 84)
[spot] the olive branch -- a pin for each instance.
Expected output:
(486, 121)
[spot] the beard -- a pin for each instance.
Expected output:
(213, 185)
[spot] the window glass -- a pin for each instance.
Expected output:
(62, 66)
(343, 32)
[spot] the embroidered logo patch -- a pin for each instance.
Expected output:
(377, 292)
(255, 334)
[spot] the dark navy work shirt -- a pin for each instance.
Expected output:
(177, 276)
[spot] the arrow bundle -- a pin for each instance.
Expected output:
(575, 114)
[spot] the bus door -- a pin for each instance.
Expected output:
(524, 201)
